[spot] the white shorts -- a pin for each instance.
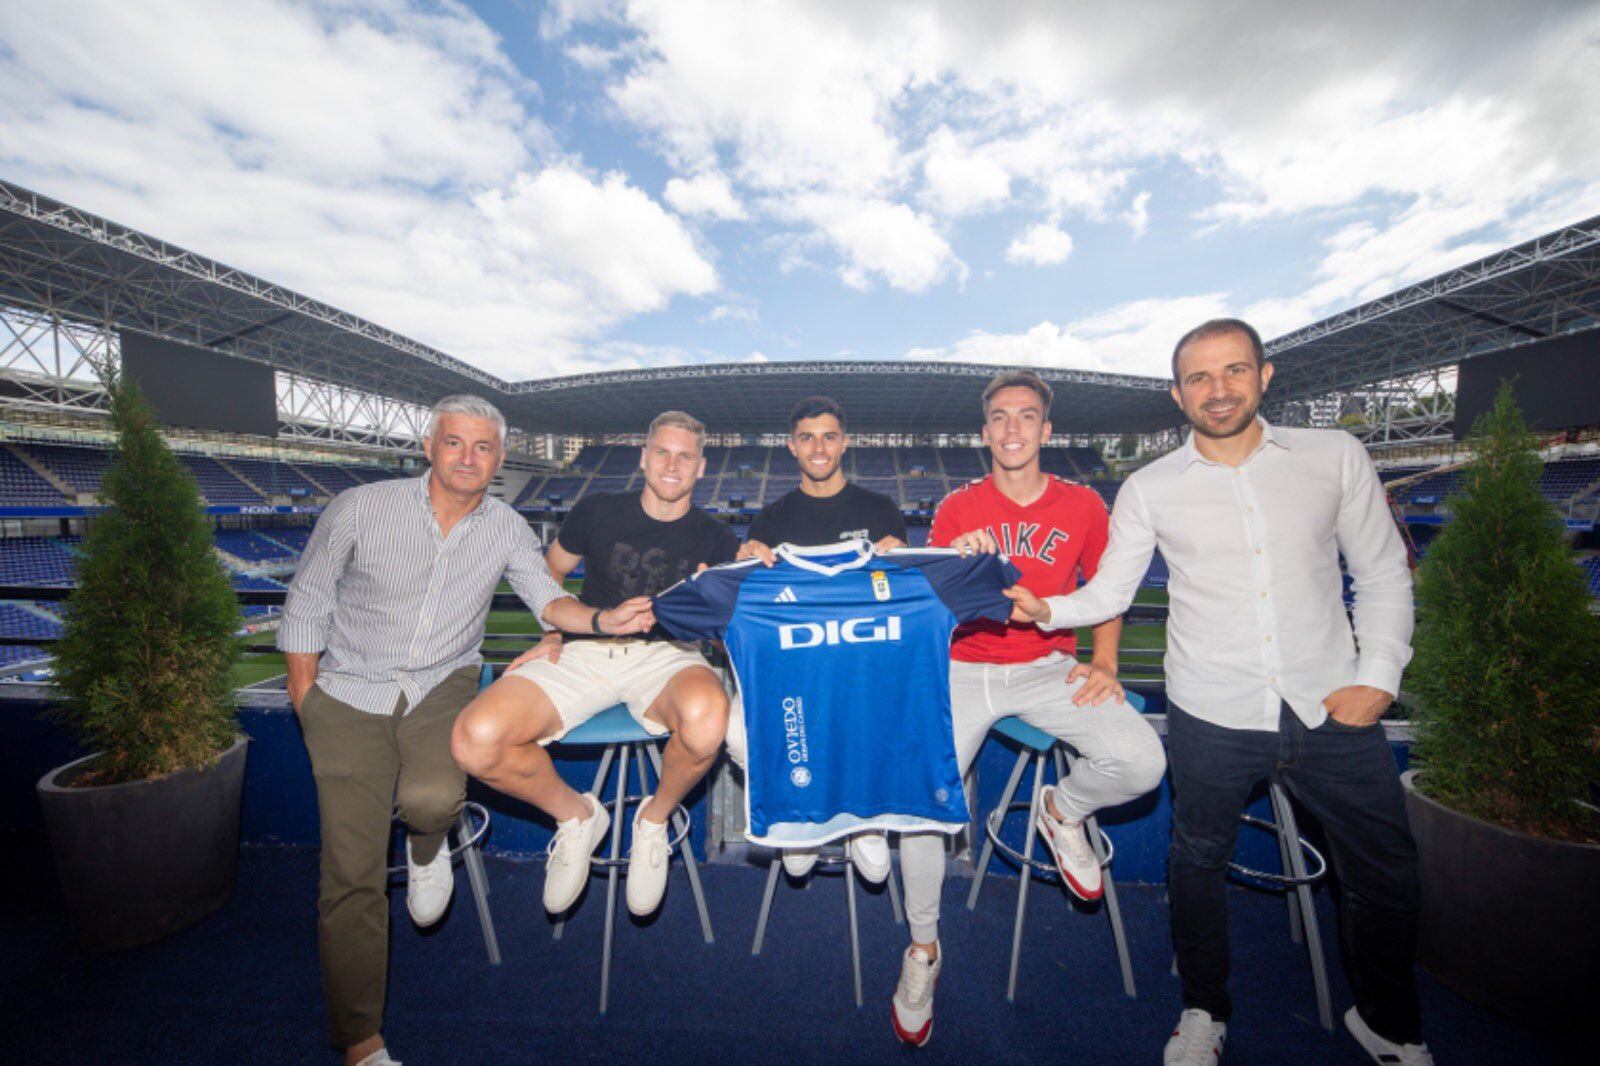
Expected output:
(592, 675)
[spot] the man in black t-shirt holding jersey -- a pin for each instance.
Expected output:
(824, 509)
(636, 545)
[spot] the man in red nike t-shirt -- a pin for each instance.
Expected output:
(1054, 531)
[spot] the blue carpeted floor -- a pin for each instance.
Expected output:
(243, 986)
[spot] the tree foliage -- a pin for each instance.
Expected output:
(144, 659)
(1507, 651)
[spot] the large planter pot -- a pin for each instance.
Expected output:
(141, 860)
(1509, 920)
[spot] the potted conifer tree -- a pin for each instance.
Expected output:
(145, 829)
(1507, 751)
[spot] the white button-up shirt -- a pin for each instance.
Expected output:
(1256, 608)
(394, 604)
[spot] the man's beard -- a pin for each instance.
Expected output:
(1245, 416)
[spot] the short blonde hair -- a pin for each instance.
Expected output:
(681, 420)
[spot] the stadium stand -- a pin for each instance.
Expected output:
(962, 464)
(251, 547)
(747, 460)
(19, 621)
(81, 466)
(330, 478)
(920, 461)
(1567, 479)
(872, 463)
(292, 537)
(588, 458)
(273, 478)
(21, 484)
(1088, 462)
(1395, 473)
(1591, 570)
(607, 484)
(1057, 461)
(35, 561)
(217, 485)
(620, 461)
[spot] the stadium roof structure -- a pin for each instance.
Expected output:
(58, 260)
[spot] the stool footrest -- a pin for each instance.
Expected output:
(1283, 880)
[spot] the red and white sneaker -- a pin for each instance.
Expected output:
(1197, 1040)
(912, 1008)
(1080, 868)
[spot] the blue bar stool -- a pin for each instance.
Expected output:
(1037, 744)
(618, 732)
(831, 858)
(470, 830)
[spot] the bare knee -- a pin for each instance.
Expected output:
(478, 742)
(702, 722)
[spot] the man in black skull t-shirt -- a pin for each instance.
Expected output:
(628, 553)
(634, 545)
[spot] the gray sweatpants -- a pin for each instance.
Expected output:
(1121, 757)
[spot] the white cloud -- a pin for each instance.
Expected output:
(959, 181)
(705, 194)
(1131, 338)
(731, 313)
(1138, 214)
(376, 156)
(883, 240)
(1042, 244)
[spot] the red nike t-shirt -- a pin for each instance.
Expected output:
(1053, 540)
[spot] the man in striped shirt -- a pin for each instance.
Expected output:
(380, 634)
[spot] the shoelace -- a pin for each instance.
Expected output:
(915, 978)
(1194, 1038)
(654, 839)
(564, 842)
(432, 873)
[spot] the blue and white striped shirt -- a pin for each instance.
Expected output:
(393, 604)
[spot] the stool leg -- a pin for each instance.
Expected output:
(766, 904)
(690, 866)
(599, 782)
(988, 844)
(1113, 912)
(611, 880)
(1287, 844)
(894, 895)
(1026, 876)
(472, 859)
(1297, 869)
(855, 936)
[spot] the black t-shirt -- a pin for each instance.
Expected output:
(852, 512)
(627, 553)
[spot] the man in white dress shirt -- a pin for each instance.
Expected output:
(1265, 675)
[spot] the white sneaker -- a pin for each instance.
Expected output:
(1197, 1041)
(1385, 1051)
(648, 859)
(870, 853)
(799, 861)
(1080, 869)
(429, 886)
(379, 1058)
(567, 870)
(912, 1007)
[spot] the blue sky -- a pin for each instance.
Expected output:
(594, 184)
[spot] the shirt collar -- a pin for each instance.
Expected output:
(1188, 455)
(846, 555)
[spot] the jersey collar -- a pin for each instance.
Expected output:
(856, 553)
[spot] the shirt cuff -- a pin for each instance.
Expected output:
(1061, 614)
(1379, 673)
(296, 637)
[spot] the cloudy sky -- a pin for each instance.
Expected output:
(596, 184)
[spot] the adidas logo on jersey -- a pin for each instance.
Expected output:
(833, 631)
(786, 596)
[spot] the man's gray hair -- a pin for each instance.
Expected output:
(464, 404)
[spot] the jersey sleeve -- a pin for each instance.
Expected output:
(971, 586)
(574, 533)
(700, 607)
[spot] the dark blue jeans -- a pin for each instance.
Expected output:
(1346, 778)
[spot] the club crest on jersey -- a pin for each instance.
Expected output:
(833, 631)
(880, 585)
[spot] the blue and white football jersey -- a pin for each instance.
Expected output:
(843, 662)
